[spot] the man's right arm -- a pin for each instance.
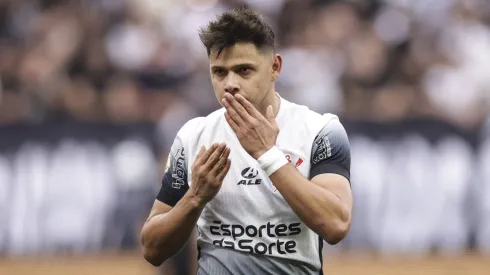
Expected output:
(174, 214)
(168, 229)
(177, 209)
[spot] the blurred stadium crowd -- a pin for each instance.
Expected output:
(115, 63)
(141, 60)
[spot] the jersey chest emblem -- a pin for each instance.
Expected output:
(297, 162)
(250, 176)
(291, 159)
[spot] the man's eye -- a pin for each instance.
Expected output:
(219, 72)
(245, 70)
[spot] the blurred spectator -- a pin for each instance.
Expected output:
(58, 57)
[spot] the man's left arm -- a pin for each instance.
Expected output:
(323, 203)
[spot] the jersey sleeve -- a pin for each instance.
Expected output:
(331, 151)
(174, 183)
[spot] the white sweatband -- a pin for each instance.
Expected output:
(272, 160)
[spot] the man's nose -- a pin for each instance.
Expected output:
(231, 85)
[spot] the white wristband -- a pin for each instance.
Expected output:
(272, 160)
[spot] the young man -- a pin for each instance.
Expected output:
(265, 180)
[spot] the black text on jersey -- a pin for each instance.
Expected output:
(249, 177)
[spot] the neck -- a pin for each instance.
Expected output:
(270, 99)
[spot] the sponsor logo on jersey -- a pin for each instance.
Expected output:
(322, 148)
(249, 175)
(179, 169)
(241, 237)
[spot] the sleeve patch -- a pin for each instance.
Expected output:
(331, 151)
(174, 183)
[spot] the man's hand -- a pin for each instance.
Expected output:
(256, 133)
(208, 172)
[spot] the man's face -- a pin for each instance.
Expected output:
(244, 69)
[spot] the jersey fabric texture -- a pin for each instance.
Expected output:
(249, 228)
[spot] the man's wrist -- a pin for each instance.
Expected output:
(272, 160)
(257, 155)
(195, 201)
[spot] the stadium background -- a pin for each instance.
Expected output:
(94, 91)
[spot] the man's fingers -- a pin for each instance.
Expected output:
(214, 157)
(248, 106)
(222, 173)
(203, 149)
(231, 122)
(221, 162)
(237, 106)
(202, 157)
(232, 111)
(199, 155)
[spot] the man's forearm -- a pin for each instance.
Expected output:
(320, 209)
(164, 235)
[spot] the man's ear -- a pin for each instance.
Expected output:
(276, 66)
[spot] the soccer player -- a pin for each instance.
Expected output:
(265, 180)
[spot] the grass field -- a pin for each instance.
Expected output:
(341, 265)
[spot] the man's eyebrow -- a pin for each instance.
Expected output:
(241, 65)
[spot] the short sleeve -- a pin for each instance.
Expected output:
(331, 151)
(174, 183)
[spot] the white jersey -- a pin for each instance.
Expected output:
(249, 215)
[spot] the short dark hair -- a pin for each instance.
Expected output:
(240, 25)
